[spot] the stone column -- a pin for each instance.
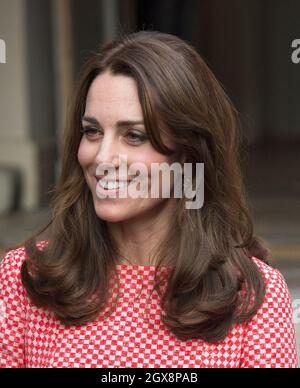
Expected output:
(63, 60)
(109, 19)
(27, 128)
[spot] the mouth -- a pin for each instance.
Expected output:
(112, 185)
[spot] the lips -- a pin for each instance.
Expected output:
(99, 178)
(112, 182)
(111, 185)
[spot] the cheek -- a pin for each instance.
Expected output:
(147, 157)
(84, 154)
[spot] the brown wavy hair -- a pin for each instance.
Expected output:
(213, 282)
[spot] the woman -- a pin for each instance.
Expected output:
(142, 281)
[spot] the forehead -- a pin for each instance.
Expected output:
(115, 95)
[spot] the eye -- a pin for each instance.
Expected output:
(136, 137)
(91, 133)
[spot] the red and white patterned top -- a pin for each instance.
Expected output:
(32, 337)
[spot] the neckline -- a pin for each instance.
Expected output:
(139, 266)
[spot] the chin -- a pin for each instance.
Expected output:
(112, 213)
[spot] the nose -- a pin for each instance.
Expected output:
(108, 152)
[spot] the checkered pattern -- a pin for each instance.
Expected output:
(134, 335)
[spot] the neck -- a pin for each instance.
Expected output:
(139, 237)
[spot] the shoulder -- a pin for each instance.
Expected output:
(12, 292)
(12, 261)
(10, 265)
(274, 280)
(276, 310)
(269, 338)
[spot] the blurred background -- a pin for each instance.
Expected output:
(247, 44)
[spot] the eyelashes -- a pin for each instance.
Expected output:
(132, 136)
(91, 132)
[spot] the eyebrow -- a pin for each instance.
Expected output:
(122, 123)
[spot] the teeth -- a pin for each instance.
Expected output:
(112, 185)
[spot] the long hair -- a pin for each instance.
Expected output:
(213, 282)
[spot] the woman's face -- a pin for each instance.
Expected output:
(112, 101)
